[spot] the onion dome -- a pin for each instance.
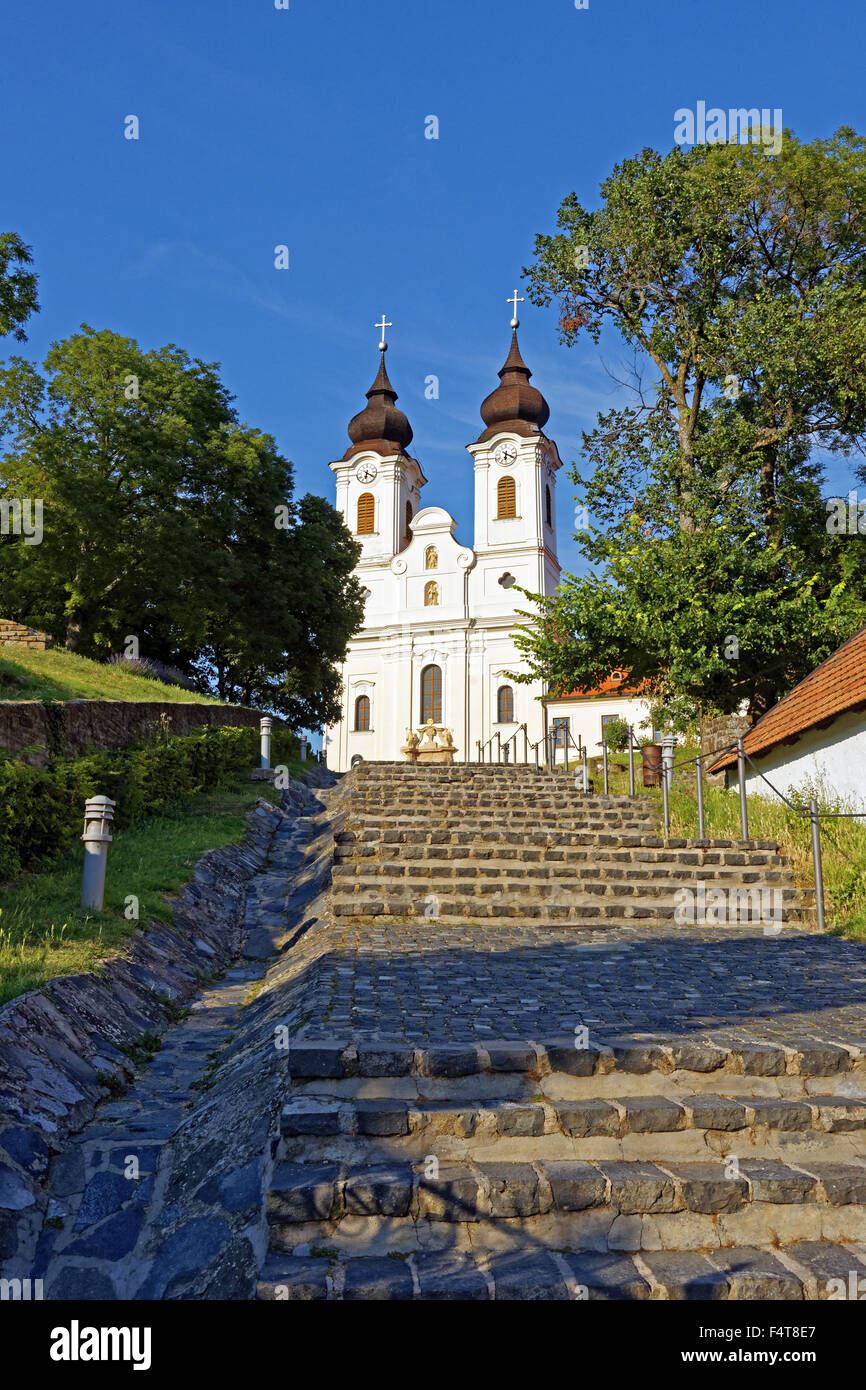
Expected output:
(514, 405)
(380, 426)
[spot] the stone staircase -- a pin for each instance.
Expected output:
(635, 1169)
(474, 842)
(692, 1166)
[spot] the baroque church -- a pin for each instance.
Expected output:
(437, 640)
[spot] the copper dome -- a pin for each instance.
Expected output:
(380, 426)
(514, 405)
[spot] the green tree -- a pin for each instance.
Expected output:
(737, 280)
(168, 520)
(17, 286)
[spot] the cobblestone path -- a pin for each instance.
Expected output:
(431, 982)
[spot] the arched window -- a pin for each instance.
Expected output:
(548, 507)
(431, 594)
(408, 520)
(505, 705)
(431, 694)
(362, 714)
(431, 558)
(366, 514)
(506, 498)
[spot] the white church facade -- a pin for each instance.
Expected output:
(437, 641)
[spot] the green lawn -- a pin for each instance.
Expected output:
(43, 932)
(61, 675)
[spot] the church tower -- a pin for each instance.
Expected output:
(515, 486)
(378, 482)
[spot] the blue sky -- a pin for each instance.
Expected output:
(305, 127)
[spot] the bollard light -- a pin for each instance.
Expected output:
(98, 815)
(265, 727)
(303, 750)
(669, 744)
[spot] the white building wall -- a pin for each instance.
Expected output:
(585, 717)
(835, 757)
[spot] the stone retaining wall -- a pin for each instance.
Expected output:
(77, 725)
(19, 635)
(62, 1047)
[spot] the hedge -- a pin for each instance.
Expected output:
(42, 809)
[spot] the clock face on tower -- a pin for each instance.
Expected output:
(505, 454)
(366, 472)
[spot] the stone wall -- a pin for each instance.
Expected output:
(18, 635)
(722, 732)
(62, 1047)
(718, 734)
(74, 727)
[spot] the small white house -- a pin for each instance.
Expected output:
(582, 717)
(815, 735)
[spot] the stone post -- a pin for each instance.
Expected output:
(98, 815)
(669, 744)
(265, 727)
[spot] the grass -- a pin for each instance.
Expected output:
(56, 674)
(843, 845)
(43, 932)
(843, 842)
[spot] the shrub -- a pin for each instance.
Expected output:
(42, 809)
(152, 670)
(616, 735)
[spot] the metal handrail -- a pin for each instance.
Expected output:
(512, 738)
(502, 745)
(811, 812)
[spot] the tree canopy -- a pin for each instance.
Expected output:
(17, 286)
(168, 520)
(738, 282)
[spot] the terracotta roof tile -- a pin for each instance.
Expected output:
(838, 684)
(607, 687)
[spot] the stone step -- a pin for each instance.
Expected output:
(516, 796)
(501, 776)
(372, 829)
(577, 917)
(432, 844)
(608, 846)
(516, 800)
(564, 870)
(649, 1056)
(804, 1270)
(810, 1117)
(408, 893)
(669, 1125)
(618, 1205)
(507, 818)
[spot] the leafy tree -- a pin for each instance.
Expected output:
(17, 286)
(168, 520)
(739, 283)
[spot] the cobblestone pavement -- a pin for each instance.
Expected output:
(436, 982)
(103, 1185)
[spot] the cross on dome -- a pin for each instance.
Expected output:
(382, 326)
(515, 322)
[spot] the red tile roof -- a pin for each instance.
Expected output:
(838, 684)
(607, 687)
